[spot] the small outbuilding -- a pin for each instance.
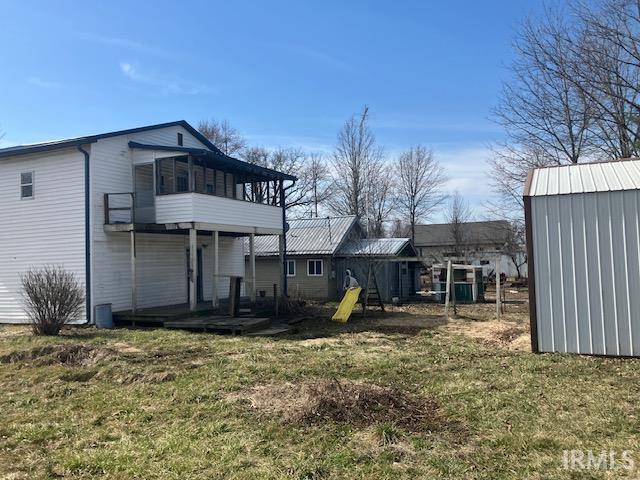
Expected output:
(468, 281)
(583, 247)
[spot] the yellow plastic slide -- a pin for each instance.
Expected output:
(346, 305)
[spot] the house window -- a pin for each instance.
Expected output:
(291, 268)
(314, 268)
(180, 139)
(26, 184)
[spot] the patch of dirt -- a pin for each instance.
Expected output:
(360, 404)
(512, 336)
(71, 354)
(124, 347)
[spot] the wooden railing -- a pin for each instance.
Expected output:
(119, 208)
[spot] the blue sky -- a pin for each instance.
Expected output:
(284, 73)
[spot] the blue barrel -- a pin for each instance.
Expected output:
(103, 316)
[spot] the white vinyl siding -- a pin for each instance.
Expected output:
(234, 214)
(46, 230)
(161, 269)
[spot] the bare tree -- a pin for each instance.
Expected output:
(514, 245)
(380, 199)
(223, 135)
(320, 184)
(53, 297)
(398, 228)
(574, 94)
(458, 213)
(287, 160)
(355, 158)
(419, 186)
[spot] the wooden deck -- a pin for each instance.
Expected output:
(205, 319)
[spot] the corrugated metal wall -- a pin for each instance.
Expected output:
(586, 251)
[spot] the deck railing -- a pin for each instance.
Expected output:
(119, 208)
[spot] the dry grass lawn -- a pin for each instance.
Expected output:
(402, 395)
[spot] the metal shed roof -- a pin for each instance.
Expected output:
(584, 178)
(309, 236)
(379, 247)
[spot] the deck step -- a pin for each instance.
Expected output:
(235, 326)
(272, 331)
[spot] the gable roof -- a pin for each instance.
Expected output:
(73, 142)
(377, 247)
(584, 178)
(436, 235)
(308, 236)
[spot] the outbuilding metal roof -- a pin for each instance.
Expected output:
(584, 178)
(378, 247)
(309, 236)
(473, 233)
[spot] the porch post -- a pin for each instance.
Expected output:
(283, 264)
(134, 296)
(193, 267)
(252, 267)
(216, 269)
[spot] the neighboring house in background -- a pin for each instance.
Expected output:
(482, 244)
(144, 217)
(319, 250)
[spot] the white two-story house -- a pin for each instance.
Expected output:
(145, 217)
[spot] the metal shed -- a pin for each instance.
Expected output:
(583, 247)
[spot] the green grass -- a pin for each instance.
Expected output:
(163, 411)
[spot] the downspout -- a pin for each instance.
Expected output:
(87, 233)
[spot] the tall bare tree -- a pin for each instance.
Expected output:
(419, 185)
(458, 213)
(355, 158)
(223, 135)
(320, 184)
(574, 94)
(380, 200)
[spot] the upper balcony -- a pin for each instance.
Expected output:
(192, 186)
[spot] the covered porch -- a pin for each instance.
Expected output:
(203, 197)
(212, 276)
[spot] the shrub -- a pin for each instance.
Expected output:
(52, 297)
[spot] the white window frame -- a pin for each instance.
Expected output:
(321, 267)
(291, 262)
(32, 184)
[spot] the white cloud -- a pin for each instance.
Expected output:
(163, 84)
(39, 82)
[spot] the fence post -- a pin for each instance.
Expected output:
(498, 298)
(447, 290)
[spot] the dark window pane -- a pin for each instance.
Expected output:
(26, 191)
(26, 177)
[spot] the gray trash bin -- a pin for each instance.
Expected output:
(103, 316)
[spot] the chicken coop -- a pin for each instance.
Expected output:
(467, 280)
